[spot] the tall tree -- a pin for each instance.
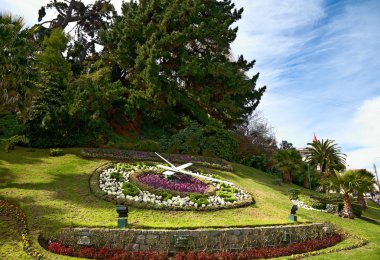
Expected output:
(86, 21)
(366, 184)
(175, 60)
(346, 182)
(325, 155)
(53, 72)
(287, 161)
(16, 59)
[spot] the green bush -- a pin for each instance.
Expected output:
(130, 189)
(147, 145)
(164, 194)
(199, 198)
(227, 196)
(211, 140)
(332, 198)
(117, 176)
(226, 192)
(293, 194)
(220, 142)
(189, 140)
(56, 152)
(10, 125)
(124, 167)
(10, 143)
(311, 202)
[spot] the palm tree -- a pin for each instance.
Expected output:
(326, 155)
(16, 56)
(347, 182)
(366, 184)
(287, 160)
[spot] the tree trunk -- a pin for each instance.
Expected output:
(362, 202)
(347, 209)
(286, 176)
(306, 183)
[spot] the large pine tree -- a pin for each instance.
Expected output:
(174, 58)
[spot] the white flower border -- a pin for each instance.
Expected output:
(113, 188)
(300, 204)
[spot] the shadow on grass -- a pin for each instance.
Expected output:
(73, 188)
(22, 155)
(370, 220)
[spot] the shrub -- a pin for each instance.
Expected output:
(311, 202)
(293, 194)
(56, 152)
(198, 198)
(147, 145)
(211, 140)
(220, 142)
(130, 189)
(10, 125)
(117, 176)
(164, 194)
(332, 208)
(10, 143)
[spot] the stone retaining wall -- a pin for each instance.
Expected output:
(194, 240)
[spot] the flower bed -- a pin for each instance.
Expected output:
(146, 187)
(255, 253)
(180, 182)
(151, 156)
(8, 209)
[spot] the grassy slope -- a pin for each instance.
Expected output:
(54, 192)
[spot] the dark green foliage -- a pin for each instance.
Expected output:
(174, 59)
(164, 194)
(199, 198)
(190, 140)
(219, 142)
(314, 203)
(10, 125)
(211, 140)
(56, 152)
(17, 70)
(117, 176)
(46, 119)
(293, 194)
(147, 145)
(130, 189)
(256, 161)
(287, 161)
(10, 143)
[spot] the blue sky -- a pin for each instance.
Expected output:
(320, 61)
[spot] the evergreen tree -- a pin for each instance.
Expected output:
(47, 113)
(174, 58)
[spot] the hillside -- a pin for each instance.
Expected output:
(54, 192)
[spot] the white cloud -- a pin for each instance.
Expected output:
(364, 132)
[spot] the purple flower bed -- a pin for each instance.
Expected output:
(181, 183)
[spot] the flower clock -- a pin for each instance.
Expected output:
(147, 186)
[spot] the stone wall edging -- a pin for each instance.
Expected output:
(193, 240)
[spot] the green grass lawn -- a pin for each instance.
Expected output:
(54, 192)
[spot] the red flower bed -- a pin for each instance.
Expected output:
(270, 252)
(181, 182)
